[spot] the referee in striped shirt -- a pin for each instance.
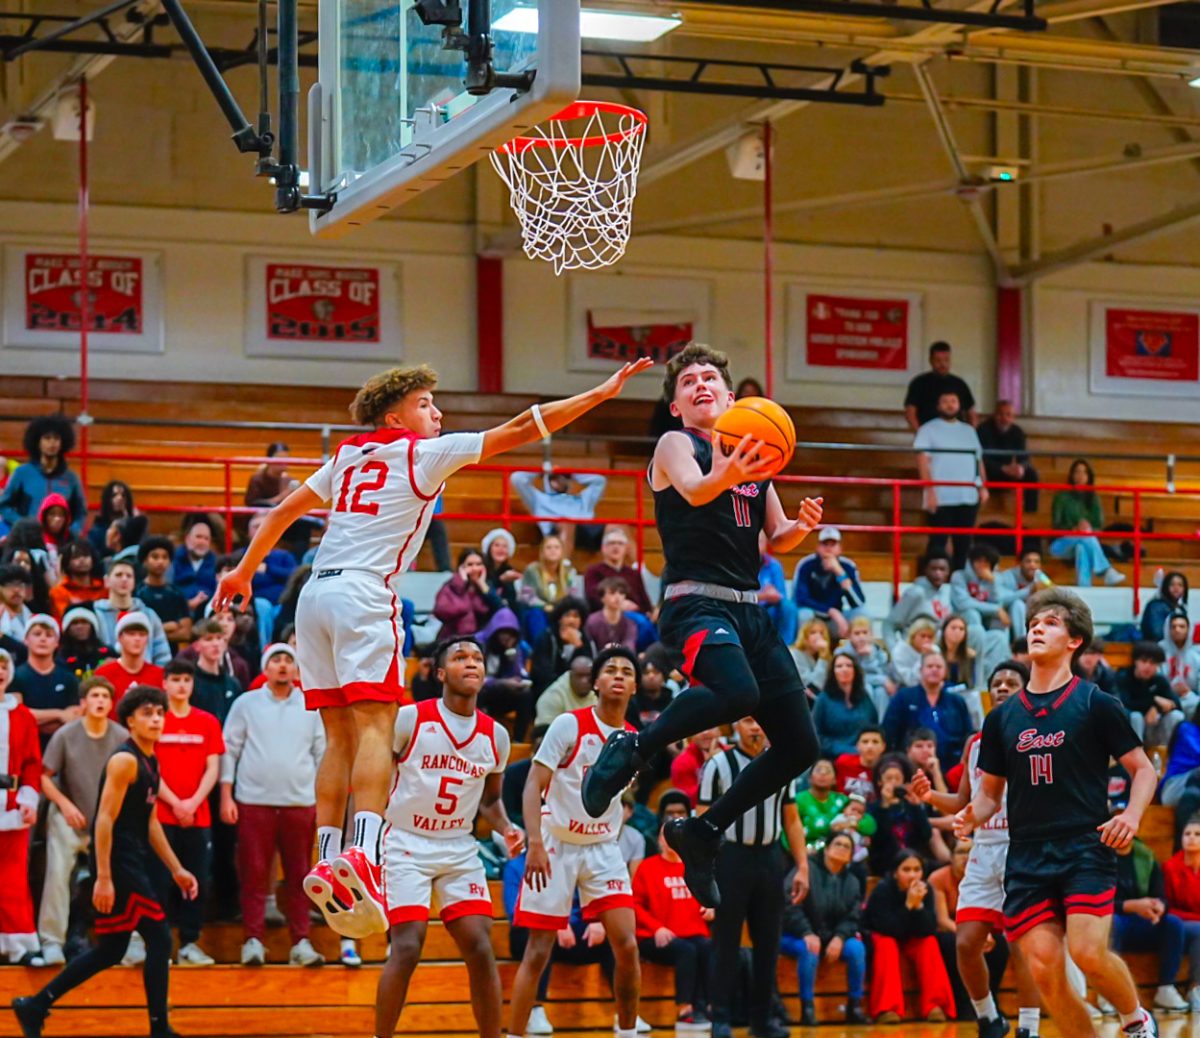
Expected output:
(750, 870)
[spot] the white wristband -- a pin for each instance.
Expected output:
(539, 421)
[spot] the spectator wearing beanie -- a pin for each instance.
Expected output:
(120, 581)
(131, 667)
(672, 928)
(79, 646)
(81, 582)
(49, 690)
(160, 596)
(499, 546)
(72, 768)
(48, 439)
(273, 746)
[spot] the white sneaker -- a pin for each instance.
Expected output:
(1147, 1027)
(1113, 577)
(1193, 997)
(1168, 999)
(350, 956)
(304, 954)
(1105, 1006)
(642, 1026)
(52, 955)
(253, 952)
(191, 954)
(539, 1023)
(135, 954)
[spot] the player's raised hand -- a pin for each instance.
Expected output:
(964, 822)
(233, 584)
(1118, 832)
(811, 511)
(616, 382)
(537, 867)
(187, 883)
(921, 787)
(746, 463)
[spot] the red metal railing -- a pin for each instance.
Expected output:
(639, 521)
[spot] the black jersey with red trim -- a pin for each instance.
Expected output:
(716, 543)
(1053, 749)
(131, 827)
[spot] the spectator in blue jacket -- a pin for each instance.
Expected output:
(276, 568)
(929, 705)
(195, 564)
(773, 595)
(48, 439)
(825, 585)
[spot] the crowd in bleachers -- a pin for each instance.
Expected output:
(91, 604)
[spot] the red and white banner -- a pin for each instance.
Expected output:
(874, 336)
(851, 332)
(44, 294)
(304, 309)
(1145, 350)
(622, 343)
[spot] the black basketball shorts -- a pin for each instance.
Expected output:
(1051, 879)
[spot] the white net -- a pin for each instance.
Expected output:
(572, 184)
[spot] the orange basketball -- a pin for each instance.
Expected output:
(761, 419)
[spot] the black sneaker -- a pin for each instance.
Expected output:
(721, 1029)
(996, 1027)
(808, 1014)
(771, 1029)
(697, 843)
(855, 1014)
(31, 1015)
(1024, 1032)
(613, 771)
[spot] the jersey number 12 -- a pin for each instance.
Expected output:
(1041, 768)
(375, 473)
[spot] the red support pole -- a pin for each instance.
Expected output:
(228, 508)
(897, 515)
(768, 263)
(1019, 522)
(640, 532)
(489, 320)
(1008, 345)
(85, 302)
(1137, 553)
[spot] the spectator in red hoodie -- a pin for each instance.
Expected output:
(54, 515)
(672, 928)
(1182, 877)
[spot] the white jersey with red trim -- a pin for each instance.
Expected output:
(381, 487)
(995, 829)
(444, 759)
(572, 743)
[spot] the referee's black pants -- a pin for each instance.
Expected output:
(751, 882)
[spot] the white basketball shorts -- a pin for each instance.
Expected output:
(596, 869)
(981, 893)
(418, 868)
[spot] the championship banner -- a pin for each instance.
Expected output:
(622, 343)
(44, 294)
(866, 337)
(1144, 350)
(848, 332)
(317, 310)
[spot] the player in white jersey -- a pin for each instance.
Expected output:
(381, 486)
(572, 850)
(450, 761)
(979, 919)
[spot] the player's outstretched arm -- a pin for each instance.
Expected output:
(946, 803)
(785, 534)
(524, 429)
(491, 810)
(1120, 830)
(237, 581)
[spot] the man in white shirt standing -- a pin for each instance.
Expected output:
(949, 452)
(382, 486)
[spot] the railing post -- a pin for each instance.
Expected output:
(1019, 520)
(896, 517)
(1137, 552)
(228, 507)
(326, 442)
(640, 532)
(505, 499)
(1170, 473)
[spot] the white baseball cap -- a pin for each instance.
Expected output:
(829, 533)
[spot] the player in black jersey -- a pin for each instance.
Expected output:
(1051, 745)
(710, 508)
(125, 831)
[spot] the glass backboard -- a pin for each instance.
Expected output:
(389, 117)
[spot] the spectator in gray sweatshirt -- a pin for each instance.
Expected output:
(928, 595)
(1182, 665)
(1015, 585)
(973, 590)
(273, 746)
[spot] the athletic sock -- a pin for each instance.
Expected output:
(985, 1008)
(329, 842)
(367, 827)
(1029, 1019)
(1132, 1018)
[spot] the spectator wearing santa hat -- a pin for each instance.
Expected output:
(48, 690)
(131, 667)
(21, 760)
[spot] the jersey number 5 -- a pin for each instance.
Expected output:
(375, 473)
(1041, 768)
(447, 801)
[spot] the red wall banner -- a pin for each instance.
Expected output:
(624, 343)
(1162, 345)
(853, 332)
(52, 293)
(322, 304)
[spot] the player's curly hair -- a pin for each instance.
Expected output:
(59, 424)
(694, 353)
(1073, 610)
(139, 696)
(383, 391)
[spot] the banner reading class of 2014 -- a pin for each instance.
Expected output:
(1155, 344)
(54, 299)
(854, 332)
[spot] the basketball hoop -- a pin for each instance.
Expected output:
(573, 193)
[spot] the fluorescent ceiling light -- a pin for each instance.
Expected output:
(596, 25)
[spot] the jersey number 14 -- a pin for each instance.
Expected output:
(1041, 768)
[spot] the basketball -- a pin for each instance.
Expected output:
(761, 419)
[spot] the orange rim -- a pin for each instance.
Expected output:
(581, 110)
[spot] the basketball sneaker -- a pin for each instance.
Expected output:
(539, 1023)
(614, 769)
(361, 878)
(31, 1012)
(1168, 999)
(1146, 1027)
(334, 900)
(696, 841)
